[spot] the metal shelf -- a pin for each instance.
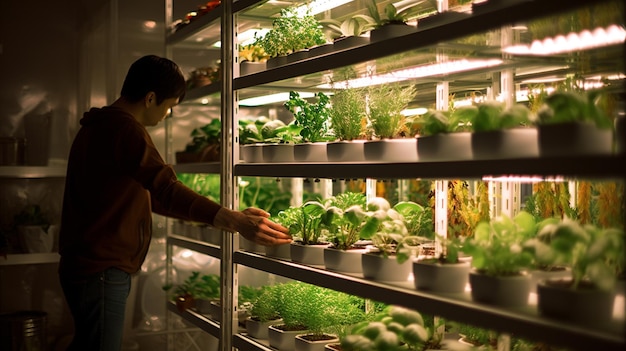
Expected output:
(32, 172)
(583, 166)
(194, 245)
(30, 258)
(459, 307)
(201, 321)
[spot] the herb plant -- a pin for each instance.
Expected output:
(312, 118)
(497, 246)
(353, 26)
(570, 106)
(348, 113)
(386, 102)
(290, 33)
(202, 137)
(199, 286)
(441, 122)
(390, 14)
(492, 116)
(304, 222)
(344, 220)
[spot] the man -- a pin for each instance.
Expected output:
(115, 180)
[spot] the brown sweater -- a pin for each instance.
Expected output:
(115, 180)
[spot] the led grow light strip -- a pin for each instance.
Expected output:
(584, 40)
(415, 72)
(272, 99)
(319, 6)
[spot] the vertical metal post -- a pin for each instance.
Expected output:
(229, 154)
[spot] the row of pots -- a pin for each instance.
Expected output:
(514, 291)
(572, 139)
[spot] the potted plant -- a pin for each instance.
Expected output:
(392, 244)
(291, 35)
(570, 123)
(204, 145)
(347, 119)
(252, 59)
(264, 311)
(392, 22)
(396, 328)
(194, 288)
(445, 273)
(35, 233)
(346, 228)
(312, 118)
(500, 132)
(386, 102)
(595, 257)
(305, 224)
(349, 32)
(202, 76)
(445, 135)
(499, 276)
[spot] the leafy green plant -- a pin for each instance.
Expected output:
(570, 106)
(390, 14)
(344, 221)
(197, 285)
(441, 122)
(396, 328)
(492, 116)
(595, 255)
(290, 33)
(353, 26)
(304, 222)
(252, 53)
(202, 137)
(268, 131)
(496, 246)
(31, 215)
(312, 118)
(386, 102)
(204, 184)
(266, 305)
(263, 193)
(451, 249)
(347, 113)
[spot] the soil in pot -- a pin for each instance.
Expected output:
(314, 342)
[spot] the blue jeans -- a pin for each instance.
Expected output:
(97, 304)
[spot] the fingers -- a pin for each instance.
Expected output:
(271, 233)
(256, 212)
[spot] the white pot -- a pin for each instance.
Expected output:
(281, 339)
(574, 139)
(250, 67)
(276, 153)
(310, 152)
(252, 153)
(506, 143)
(380, 268)
(258, 329)
(308, 254)
(344, 261)
(279, 251)
(510, 291)
(391, 150)
(391, 31)
(346, 151)
(441, 277)
(445, 147)
(36, 239)
(311, 342)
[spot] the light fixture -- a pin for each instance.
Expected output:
(271, 99)
(584, 40)
(414, 111)
(523, 179)
(319, 6)
(415, 72)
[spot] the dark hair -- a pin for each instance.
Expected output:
(157, 74)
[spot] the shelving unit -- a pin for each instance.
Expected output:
(309, 74)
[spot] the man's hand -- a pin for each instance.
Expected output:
(253, 224)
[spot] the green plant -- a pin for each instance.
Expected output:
(208, 135)
(31, 215)
(264, 130)
(441, 122)
(347, 113)
(265, 307)
(476, 336)
(386, 102)
(312, 118)
(290, 33)
(353, 26)
(450, 250)
(595, 255)
(263, 193)
(496, 247)
(396, 328)
(343, 219)
(572, 106)
(492, 116)
(304, 222)
(390, 14)
(204, 184)
(196, 285)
